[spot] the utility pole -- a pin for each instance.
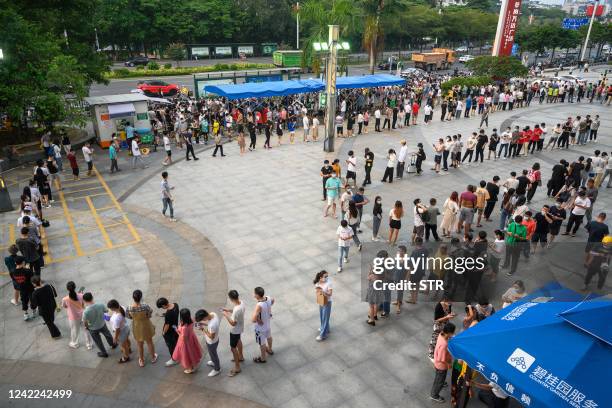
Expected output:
(297, 26)
(330, 88)
(586, 40)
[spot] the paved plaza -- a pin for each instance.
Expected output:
(244, 222)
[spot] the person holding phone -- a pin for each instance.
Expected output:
(74, 305)
(209, 325)
(121, 330)
(188, 351)
(235, 318)
(171, 319)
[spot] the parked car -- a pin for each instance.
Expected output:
(412, 72)
(463, 48)
(385, 66)
(466, 58)
(155, 87)
(136, 61)
(573, 79)
(487, 47)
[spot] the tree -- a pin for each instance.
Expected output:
(176, 52)
(482, 5)
(600, 34)
(499, 68)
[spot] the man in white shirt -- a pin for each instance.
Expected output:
(599, 167)
(428, 111)
(88, 156)
(377, 116)
(345, 236)
(209, 323)
(581, 205)
(315, 128)
(306, 123)
(168, 149)
(261, 319)
(351, 168)
(136, 154)
(401, 159)
(235, 318)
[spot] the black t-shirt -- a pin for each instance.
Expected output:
(542, 226)
(557, 212)
(171, 317)
(521, 189)
(576, 170)
(597, 231)
(493, 190)
(326, 171)
(439, 311)
(482, 140)
(369, 162)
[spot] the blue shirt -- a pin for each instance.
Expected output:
(333, 186)
(112, 152)
(291, 126)
(129, 131)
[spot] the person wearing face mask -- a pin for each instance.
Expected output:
(323, 288)
(376, 217)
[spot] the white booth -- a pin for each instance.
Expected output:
(112, 113)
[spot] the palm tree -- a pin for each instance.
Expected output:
(373, 35)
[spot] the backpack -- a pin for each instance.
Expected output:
(424, 216)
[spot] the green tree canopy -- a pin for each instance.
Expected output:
(499, 68)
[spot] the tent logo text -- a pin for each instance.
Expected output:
(521, 360)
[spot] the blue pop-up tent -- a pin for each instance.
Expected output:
(266, 89)
(544, 351)
(368, 81)
(291, 87)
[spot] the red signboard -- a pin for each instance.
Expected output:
(510, 24)
(599, 12)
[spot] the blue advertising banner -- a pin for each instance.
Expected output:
(263, 78)
(574, 23)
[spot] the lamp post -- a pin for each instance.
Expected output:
(330, 89)
(1, 55)
(586, 40)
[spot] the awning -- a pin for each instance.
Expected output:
(543, 351)
(119, 110)
(266, 89)
(368, 81)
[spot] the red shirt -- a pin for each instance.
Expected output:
(537, 132)
(442, 358)
(466, 197)
(481, 100)
(415, 108)
(72, 160)
(525, 136)
(531, 226)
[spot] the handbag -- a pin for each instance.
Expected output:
(321, 298)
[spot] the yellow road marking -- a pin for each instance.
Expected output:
(83, 189)
(75, 238)
(96, 251)
(114, 200)
(108, 207)
(88, 195)
(109, 243)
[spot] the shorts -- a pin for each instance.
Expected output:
(480, 210)
(466, 215)
(365, 123)
(331, 200)
(396, 224)
(234, 339)
(554, 230)
(169, 153)
(437, 159)
(75, 171)
(418, 230)
(351, 175)
(591, 245)
(339, 129)
(540, 237)
(262, 337)
(124, 334)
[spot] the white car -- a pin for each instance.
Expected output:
(463, 48)
(573, 79)
(466, 58)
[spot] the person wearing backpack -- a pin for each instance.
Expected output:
(43, 298)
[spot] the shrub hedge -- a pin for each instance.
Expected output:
(168, 70)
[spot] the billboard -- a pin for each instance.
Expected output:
(599, 11)
(223, 50)
(245, 49)
(506, 27)
(264, 78)
(199, 51)
(574, 23)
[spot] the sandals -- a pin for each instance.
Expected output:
(141, 362)
(154, 358)
(233, 373)
(258, 360)
(124, 360)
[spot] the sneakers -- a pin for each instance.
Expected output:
(346, 260)
(14, 302)
(26, 317)
(214, 373)
(171, 363)
(437, 399)
(319, 338)
(210, 364)
(339, 269)
(72, 345)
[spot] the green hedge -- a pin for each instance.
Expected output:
(467, 81)
(126, 73)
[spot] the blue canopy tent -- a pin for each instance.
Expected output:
(266, 89)
(282, 88)
(544, 351)
(368, 81)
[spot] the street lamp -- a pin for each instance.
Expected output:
(1, 54)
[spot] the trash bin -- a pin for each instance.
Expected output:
(5, 198)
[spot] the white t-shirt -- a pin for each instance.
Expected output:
(265, 314)
(326, 288)
(402, 154)
(57, 151)
(392, 215)
(343, 234)
(306, 122)
(377, 113)
(352, 163)
(135, 148)
(315, 122)
(117, 321)
(418, 221)
(167, 145)
(238, 317)
(581, 201)
(87, 153)
(213, 328)
(427, 110)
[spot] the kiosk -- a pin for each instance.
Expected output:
(112, 113)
